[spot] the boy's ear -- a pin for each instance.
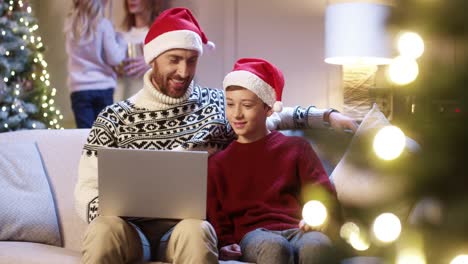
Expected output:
(269, 110)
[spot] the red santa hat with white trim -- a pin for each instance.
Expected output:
(175, 28)
(259, 76)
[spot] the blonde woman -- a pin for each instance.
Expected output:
(139, 15)
(93, 49)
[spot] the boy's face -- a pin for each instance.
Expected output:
(173, 71)
(247, 114)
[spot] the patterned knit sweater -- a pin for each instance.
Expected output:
(152, 120)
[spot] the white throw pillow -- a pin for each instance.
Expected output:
(27, 210)
(363, 180)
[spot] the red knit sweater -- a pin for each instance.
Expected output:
(259, 185)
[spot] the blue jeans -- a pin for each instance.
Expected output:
(290, 246)
(88, 104)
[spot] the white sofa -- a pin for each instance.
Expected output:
(60, 152)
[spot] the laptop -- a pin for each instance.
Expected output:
(152, 183)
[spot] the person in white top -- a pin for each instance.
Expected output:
(139, 14)
(93, 49)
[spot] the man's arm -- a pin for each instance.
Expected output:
(86, 188)
(310, 117)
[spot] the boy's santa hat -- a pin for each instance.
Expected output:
(175, 28)
(260, 77)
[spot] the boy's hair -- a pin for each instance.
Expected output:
(153, 6)
(83, 18)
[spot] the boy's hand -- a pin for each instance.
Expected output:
(306, 228)
(230, 252)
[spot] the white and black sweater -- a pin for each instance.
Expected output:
(152, 120)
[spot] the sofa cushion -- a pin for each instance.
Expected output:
(28, 210)
(363, 180)
(34, 253)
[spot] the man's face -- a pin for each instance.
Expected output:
(246, 113)
(173, 71)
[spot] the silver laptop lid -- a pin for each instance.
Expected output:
(152, 183)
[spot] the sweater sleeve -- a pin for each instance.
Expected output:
(86, 188)
(216, 216)
(297, 117)
(114, 45)
(311, 171)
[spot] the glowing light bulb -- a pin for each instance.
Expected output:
(389, 142)
(359, 242)
(403, 70)
(387, 227)
(314, 213)
(410, 45)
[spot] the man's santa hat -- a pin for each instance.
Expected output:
(175, 28)
(260, 77)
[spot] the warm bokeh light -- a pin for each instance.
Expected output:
(403, 70)
(352, 234)
(410, 45)
(314, 213)
(389, 142)
(347, 229)
(359, 242)
(411, 256)
(460, 259)
(387, 227)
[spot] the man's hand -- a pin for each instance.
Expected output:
(306, 228)
(230, 252)
(135, 67)
(340, 122)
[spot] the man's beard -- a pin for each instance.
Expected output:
(161, 82)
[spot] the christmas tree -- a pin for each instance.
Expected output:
(434, 110)
(26, 99)
(439, 178)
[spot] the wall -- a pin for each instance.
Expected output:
(288, 33)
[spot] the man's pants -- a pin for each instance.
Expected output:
(111, 239)
(263, 246)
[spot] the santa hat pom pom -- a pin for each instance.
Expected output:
(210, 45)
(278, 106)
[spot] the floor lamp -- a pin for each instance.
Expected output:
(356, 38)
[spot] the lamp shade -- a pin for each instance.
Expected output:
(355, 33)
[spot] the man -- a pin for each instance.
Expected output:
(170, 112)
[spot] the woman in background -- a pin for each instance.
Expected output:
(139, 15)
(93, 49)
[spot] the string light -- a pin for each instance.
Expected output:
(387, 227)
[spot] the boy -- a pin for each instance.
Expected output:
(255, 184)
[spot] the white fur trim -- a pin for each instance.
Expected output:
(210, 45)
(252, 82)
(178, 39)
(278, 106)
